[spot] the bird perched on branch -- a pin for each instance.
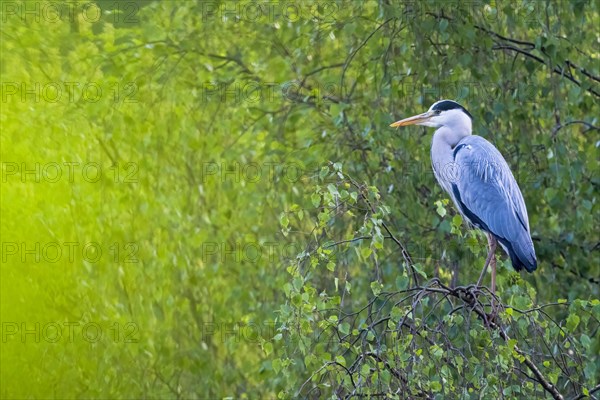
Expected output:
(480, 183)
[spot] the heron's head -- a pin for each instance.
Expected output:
(442, 113)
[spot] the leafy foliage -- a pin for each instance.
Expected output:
(416, 337)
(259, 231)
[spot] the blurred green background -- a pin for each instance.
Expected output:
(159, 159)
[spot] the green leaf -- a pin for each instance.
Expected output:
(284, 220)
(365, 370)
(376, 288)
(332, 189)
(418, 269)
(276, 365)
(436, 351)
(440, 209)
(443, 24)
(268, 348)
(323, 173)
(340, 360)
(344, 328)
(402, 281)
(378, 241)
(585, 340)
(457, 220)
(572, 322)
(366, 252)
(315, 199)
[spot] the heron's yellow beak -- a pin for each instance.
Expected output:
(417, 119)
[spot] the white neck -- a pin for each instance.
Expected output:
(444, 141)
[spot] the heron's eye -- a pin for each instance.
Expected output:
(438, 112)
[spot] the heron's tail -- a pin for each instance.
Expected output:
(522, 254)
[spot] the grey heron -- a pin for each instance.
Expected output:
(480, 183)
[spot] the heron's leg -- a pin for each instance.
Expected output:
(492, 249)
(493, 243)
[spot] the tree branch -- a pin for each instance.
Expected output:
(583, 396)
(531, 46)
